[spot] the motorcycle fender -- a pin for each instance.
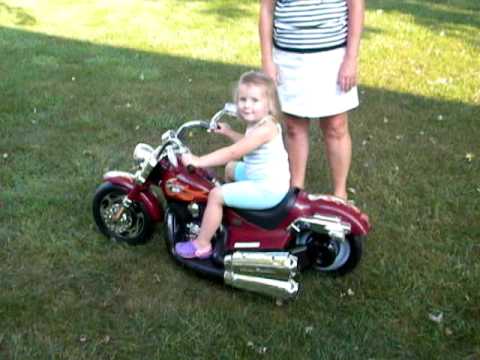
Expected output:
(358, 221)
(145, 196)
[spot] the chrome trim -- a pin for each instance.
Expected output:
(194, 209)
(116, 173)
(246, 245)
(142, 151)
(330, 225)
(190, 124)
(146, 168)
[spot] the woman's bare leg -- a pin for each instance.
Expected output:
(338, 148)
(297, 147)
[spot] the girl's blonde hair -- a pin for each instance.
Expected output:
(259, 78)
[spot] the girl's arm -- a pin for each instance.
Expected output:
(255, 138)
(347, 76)
(227, 131)
(265, 28)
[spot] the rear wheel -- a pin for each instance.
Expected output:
(335, 256)
(134, 227)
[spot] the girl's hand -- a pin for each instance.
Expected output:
(223, 129)
(190, 159)
(347, 76)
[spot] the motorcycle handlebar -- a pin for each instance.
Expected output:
(176, 137)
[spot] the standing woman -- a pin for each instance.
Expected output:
(310, 48)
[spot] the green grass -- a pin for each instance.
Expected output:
(81, 83)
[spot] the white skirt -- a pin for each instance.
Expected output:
(307, 83)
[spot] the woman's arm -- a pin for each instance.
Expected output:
(246, 144)
(265, 28)
(347, 77)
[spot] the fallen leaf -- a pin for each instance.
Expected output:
(437, 318)
(106, 339)
(262, 349)
(469, 157)
(439, 81)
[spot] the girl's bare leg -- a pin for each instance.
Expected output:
(297, 147)
(230, 171)
(338, 148)
(212, 218)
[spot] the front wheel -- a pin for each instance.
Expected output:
(335, 256)
(134, 227)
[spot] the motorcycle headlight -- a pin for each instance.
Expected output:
(142, 152)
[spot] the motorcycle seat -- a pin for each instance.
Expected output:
(271, 218)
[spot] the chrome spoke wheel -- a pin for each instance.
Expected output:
(134, 225)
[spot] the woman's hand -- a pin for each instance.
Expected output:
(347, 76)
(270, 69)
(190, 159)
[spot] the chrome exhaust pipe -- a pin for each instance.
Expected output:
(277, 265)
(269, 273)
(278, 289)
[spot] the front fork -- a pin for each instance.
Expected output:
(126, 203)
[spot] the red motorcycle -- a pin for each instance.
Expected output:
(256, 250)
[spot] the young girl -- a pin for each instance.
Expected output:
(262, 179)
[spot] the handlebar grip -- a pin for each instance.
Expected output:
(191, 168)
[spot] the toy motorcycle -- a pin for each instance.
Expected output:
(256, 250)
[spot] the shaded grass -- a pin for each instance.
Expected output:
(73, 109)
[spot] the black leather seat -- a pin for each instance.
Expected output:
(270, 218)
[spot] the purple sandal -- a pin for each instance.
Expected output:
(188, 250)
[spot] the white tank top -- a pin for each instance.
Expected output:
(269, 162)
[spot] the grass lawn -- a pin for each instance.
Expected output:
(82, 82)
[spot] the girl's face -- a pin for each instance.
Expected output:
(252, 102)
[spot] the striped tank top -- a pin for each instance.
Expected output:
(310, 25)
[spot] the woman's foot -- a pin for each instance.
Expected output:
(190, 250)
